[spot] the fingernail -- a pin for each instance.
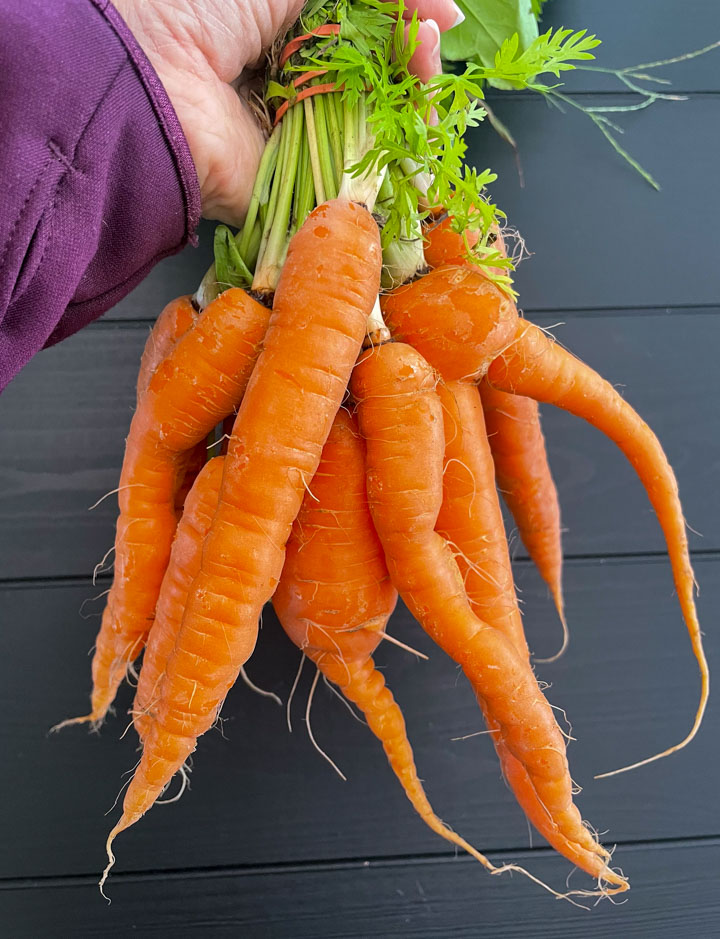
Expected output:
(459, 16)
(436, 29)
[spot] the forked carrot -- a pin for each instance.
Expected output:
(527, 486)
(400, 416)
(297, 386)
(535, 366)
(173, 322)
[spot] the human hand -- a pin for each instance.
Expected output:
(204, 51)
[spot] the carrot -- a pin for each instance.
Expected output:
(182, 569)
(326, 292)
(537, 367)
(517, 444)
(174, 321)
(526, 483)
(400, 416)
(201, 381)
(470, 519)
(444, 246)
(335, 597)
(461, 345)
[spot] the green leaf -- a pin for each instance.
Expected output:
(487, 24)
(230, 269)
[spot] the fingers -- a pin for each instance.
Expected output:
(425, 61)
(445, 13)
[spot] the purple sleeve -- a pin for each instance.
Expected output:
(96, 180)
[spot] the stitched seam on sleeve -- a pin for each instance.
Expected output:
(23, 209)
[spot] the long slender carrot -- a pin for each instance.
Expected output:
(335, 597)
(455, 317)
(193, 388)
(182, 569)
(539, 368)
(326, 292)
(526, 483)
(517, 444)
(470, 518)
(400, 416)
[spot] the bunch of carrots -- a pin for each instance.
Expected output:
(363, 352)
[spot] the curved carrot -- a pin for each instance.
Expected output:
(536, 366)
(183, 568)
(326, 292)
(517, 444)
(455, 317)
(400, 416)
(470, 518)
(335, 597)
(197, 385)
(526, 483)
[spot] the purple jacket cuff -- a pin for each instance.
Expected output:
(98, 181)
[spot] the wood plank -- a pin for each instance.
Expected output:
(674, 893)
(648, 31)
(627, 683)
(63, 422)
(600, 236)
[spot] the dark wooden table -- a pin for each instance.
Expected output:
(269, 842)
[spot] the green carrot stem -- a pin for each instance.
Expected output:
(323, 145)
(335, 134)
(314, 154)
(261, 189)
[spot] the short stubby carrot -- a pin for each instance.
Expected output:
(524, 478)
(470, 519)
(335, 597)
(460, 346)
(326, 292)
(182, 569)
(173, 322)
(536, 366)
(400, 416)
(190, 391)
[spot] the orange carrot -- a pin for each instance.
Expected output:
(182, 570)
(400, 416)
(197, 385)
(335, 597)
(517, 444)
(326, 292)
(526, 483)
(470, 518)
(537, 367)
(174, 321)
(461, 345)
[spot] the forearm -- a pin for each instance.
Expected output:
(98, 182)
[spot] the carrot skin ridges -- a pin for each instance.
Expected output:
(400, 416)
(525, 480)
(329, 283)
(539, 368)
(182, 569)
(195, 386)
(455, 317)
